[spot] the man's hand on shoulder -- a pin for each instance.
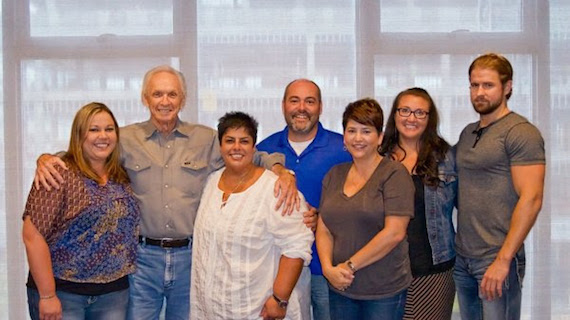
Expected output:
(46, 172)
(286, 190)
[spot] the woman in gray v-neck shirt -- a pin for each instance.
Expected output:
(361, 236)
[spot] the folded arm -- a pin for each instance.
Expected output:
(383, 242)
(339, 276)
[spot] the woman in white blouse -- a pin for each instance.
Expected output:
(247, 256)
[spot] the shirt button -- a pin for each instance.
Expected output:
(137, 166)
(166, 206)
(297, 160)
(166, 166)
(166, 185)
(168, 146)
(168, 226)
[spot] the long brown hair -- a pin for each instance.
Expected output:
(74, 155)
(432, 147)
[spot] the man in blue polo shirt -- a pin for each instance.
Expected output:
(310, 151)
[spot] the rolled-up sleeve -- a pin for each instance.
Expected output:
(290, 234)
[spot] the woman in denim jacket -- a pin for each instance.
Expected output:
(412, 138)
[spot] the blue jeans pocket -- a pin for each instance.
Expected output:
(520, 261)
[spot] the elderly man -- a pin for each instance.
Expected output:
(310, 150)
(168, 161)
(501, 168)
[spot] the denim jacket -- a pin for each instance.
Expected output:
(439, 204)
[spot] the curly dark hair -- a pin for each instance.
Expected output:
(432, 147)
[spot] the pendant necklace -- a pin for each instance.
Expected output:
(242, 179)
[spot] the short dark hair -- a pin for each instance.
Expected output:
(236, 120)
(497, 62)
(365, 111)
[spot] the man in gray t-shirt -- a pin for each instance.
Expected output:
(501, 168)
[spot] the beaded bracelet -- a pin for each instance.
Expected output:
(47, 297)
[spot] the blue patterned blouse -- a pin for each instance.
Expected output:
(91, 230)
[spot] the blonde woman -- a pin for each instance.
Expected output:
(81, 238)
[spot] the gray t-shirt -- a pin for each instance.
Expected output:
(486, 193)
(354, 221)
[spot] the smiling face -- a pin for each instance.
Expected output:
(411, 128)
(302, 108)
(361, 140)
(488, 94)
(164, 98)
(100, 139)
(237, 149)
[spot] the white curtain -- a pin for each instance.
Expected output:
(239, 54)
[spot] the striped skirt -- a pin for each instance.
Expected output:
(431, 297)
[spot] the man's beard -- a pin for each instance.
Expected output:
(484, 106)
(301, 128)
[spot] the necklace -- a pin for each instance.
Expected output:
(226, 195)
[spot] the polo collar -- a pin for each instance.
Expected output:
(321, 139)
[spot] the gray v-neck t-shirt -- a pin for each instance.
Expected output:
(354, 221)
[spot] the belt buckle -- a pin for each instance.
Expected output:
(163, 243)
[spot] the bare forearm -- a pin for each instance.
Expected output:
(39, 260)
(287, 276)
(324, 243)
(523, 218)
(528, 182)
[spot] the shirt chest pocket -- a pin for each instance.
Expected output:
(447, 188)
(192, 177)
(139, 171)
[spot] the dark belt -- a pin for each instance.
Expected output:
(164, 243)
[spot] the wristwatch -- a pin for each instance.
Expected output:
(282, 303)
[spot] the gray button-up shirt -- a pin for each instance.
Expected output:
(168, 173)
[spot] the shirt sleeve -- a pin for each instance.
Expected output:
(290, 234)
(325, 186)
(216, 161)
(399, 193)
(525, 145)
(44, 208)
(267, 161)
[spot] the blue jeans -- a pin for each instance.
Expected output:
(162, 273)
(468, 275)
(320, 297)
(391, 308)
(79, 307)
